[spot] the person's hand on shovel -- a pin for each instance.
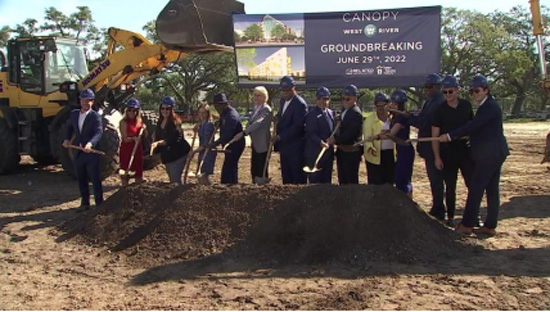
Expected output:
(324, 144)
(331, 141)
(88, 147)
(274, 139)
(444, 138)
(66, 143)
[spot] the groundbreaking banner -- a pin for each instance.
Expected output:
(381, 48)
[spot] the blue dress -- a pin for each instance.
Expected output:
(205, 133)
(405, 157)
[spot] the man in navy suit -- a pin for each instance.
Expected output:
(230, 126)
(489, 150)
(289, 141)
(348, 156)
(320, 124)
(85, 124)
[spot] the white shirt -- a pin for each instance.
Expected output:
(386, 144)
(81, 119)
(285, 106)
(483, 101)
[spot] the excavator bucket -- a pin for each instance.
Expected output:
(198, 25)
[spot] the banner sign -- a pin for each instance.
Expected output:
(381, 48)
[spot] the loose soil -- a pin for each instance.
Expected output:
(274, 247)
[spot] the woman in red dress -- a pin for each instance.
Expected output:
(130, 127)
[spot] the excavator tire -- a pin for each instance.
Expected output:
(109, 143)
(9, 158)
(150, 118)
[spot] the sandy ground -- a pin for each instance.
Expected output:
(39, 270)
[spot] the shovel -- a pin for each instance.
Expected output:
(323, 150)
(126, 173)
(263, 179)
(82, 149)
(427, 139)
(189, 158)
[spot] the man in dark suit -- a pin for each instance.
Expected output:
(320, 124)
(230, 126)
(489, 150)
(348, 156)
(85, 124)
(289, 141)
(423, 121)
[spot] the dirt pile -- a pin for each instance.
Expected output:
(156, 223)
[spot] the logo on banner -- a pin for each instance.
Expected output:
(370, 30)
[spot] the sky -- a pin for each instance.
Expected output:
(133, 14)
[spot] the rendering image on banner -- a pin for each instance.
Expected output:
(268, 30)
(266, 65)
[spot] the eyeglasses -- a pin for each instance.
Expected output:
(380, 104)
(448, 91)
(472, 91)
(166, 108)
(347, 99)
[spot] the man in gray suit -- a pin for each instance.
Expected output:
(258, 130)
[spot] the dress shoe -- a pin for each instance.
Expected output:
(450, 223)
(485, 230)
(83, 208)
(462, 229)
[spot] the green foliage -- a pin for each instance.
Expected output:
(278, 31)
(254, 32)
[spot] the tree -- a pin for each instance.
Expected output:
(278, 31)
(4, 35)
(27, 29)
(254, 32)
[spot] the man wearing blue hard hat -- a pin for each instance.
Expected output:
(348, 157)
(289, 141)
(451, 156)
(320, 124)
(230, 126)
(489, 151)
(423, 121)
(86, 125)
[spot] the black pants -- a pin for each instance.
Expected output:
(257, 163)
(348, 167)
(454, 157)
(436, 186)
(383, 173)
(292, 168)
(485, 178)
(230, 167)
(87, 167)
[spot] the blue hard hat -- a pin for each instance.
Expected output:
(381, 97)
(433, 79)
(220, 98)
(449, 82)
(287, 82)
(479, 81)
(399, 96)
(133, 103)
(87, 94)
(322, 92)
(168, 101)
(350, 90)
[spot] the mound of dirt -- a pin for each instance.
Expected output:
(156, 223)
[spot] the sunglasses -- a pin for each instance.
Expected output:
(448, 91)
(132, 110)
(429, 86)
(380, 104)
(166, 108)
(347, 99)
(472, 91)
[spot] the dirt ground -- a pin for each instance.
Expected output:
(161, 247)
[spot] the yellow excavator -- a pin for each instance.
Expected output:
(41, 77)
(538, 31)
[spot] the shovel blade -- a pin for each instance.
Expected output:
(261, 180)
(310, 170)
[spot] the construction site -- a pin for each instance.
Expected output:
(272, 247)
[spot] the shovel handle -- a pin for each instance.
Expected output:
(82, 149)
(199, 165)
(134, 151)
(427, 139)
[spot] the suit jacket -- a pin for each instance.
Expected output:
(350, 127)
(290, 126)
(92, 129)
(486, 134)
(423, 122)
(230, 125)
(317, 130)
(258, 128)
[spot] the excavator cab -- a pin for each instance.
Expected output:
(39, 65)
(198, 25)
